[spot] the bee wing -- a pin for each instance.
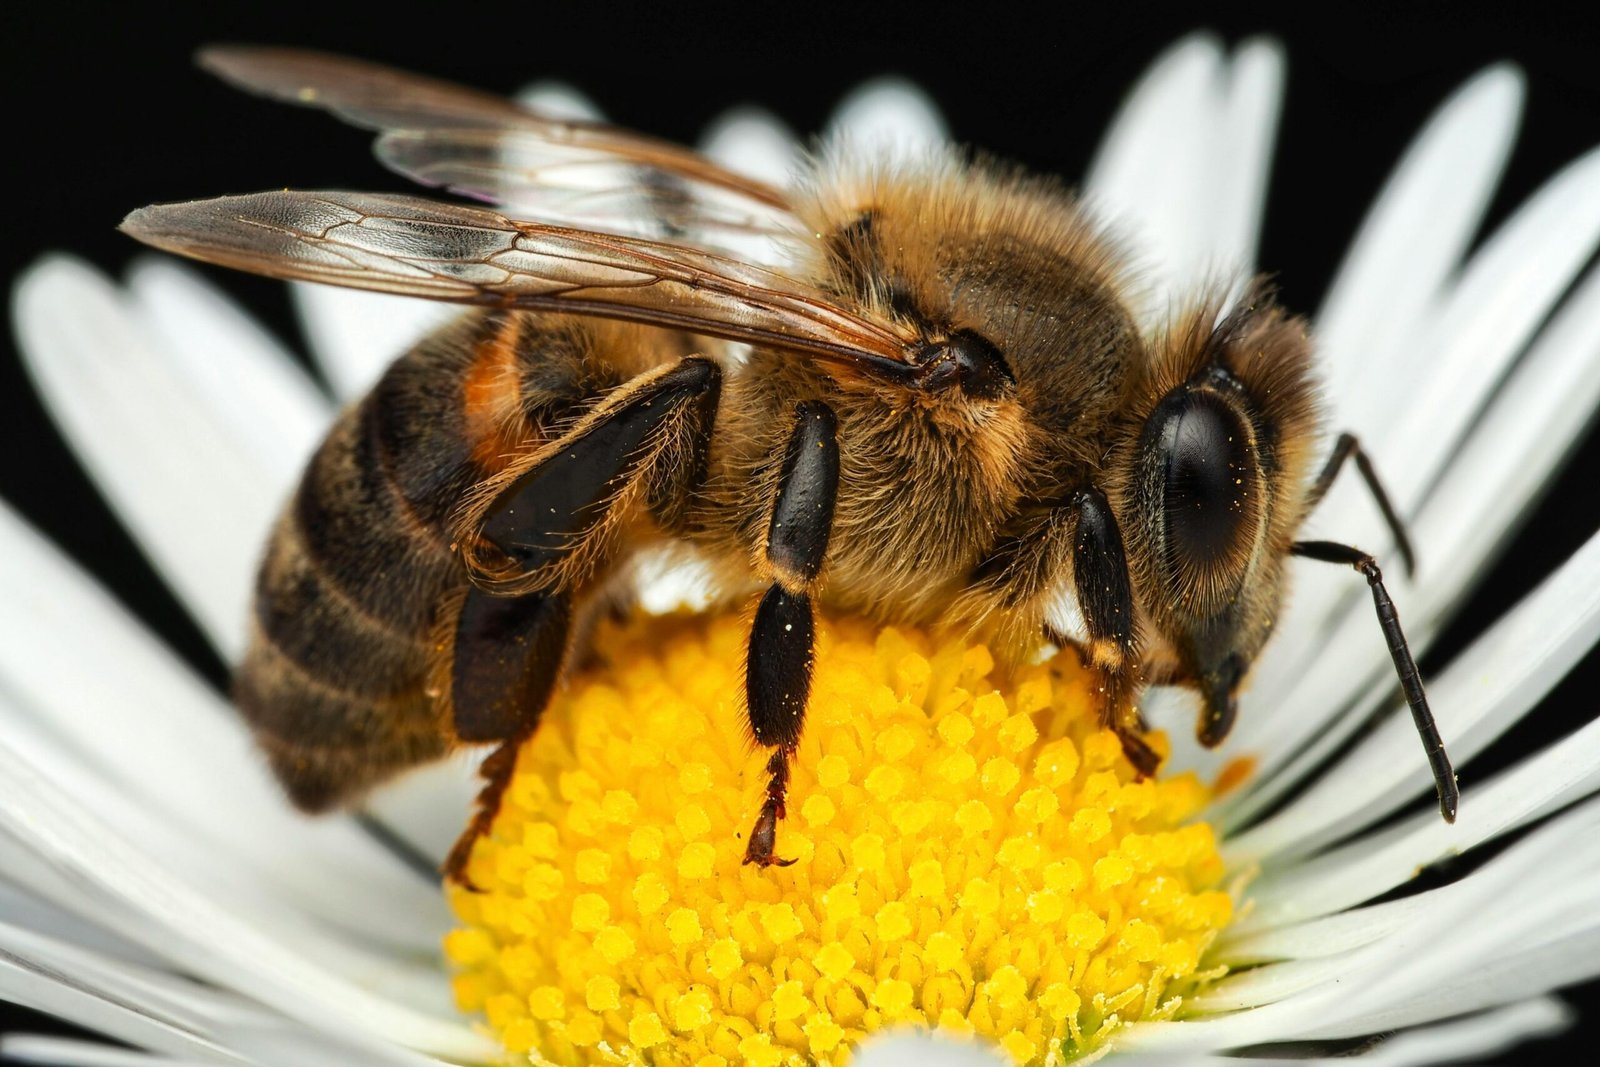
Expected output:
(582, 174)
(590, 188)
(472, 255)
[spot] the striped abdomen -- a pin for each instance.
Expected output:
(347, 619)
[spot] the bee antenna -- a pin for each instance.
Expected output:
(1444, 775)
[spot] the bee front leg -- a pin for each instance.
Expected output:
(1105, 596)
(1349, 447)
(778, 667)
(1019, 574)
(510, 637)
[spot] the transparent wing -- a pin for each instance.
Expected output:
(471, 255)
(581, 174)
(590, 189)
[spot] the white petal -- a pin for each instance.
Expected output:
(1475, 988)
(1485, 322)
(252, 384)
(1421, 408)
(1458, 1040)
(1196, 209)
(1473, 1038)
(254, 897)
(176, 996)
(753, 142)
(302, 1047)
(559, 100)
(36, 1048)
(1479, 917)
(207, 1023)
(674, 580)
(1503, 675)
(407, 976)
(1372, 865)
(1281, 982)
(355, 335)
(918, 1048)
(140, 717)
(1065, 617)
(1464, 1040)
(888, 117)
(1375, 323)
(1326, 935)
(1532, 425)
(30, 911)
(1142, 180)
(193, 496)
(1241, 160)
(45, 989)
(1423, 399)
(144, 902)
(428, 807)
(1529, 911)
(1416, 233)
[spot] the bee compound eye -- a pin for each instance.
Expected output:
(1210, 479)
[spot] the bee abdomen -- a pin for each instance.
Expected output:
(348, 590)
(335, 679)
(336, 706)
(353, 745)
(362, 536)
(316, 628)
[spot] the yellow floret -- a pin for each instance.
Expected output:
(974, 854)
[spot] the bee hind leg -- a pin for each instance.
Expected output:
(508, 653)
(544, 525)
(782, 638)
(496, 771)
(536, 543)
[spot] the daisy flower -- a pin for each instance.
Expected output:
(974, 852)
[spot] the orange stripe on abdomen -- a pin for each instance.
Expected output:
(492, 396)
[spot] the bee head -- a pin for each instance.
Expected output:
(1214, 491)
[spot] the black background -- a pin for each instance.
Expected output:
(106, 113)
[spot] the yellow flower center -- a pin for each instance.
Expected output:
(973, 854)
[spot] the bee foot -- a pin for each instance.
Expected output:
(764, 835)
(496, 773)
(1145, 759)
(454, 867)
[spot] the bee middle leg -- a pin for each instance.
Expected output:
(513, 628)
(1021, 568)
(779, 659)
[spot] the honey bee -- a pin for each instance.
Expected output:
(911, 390)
